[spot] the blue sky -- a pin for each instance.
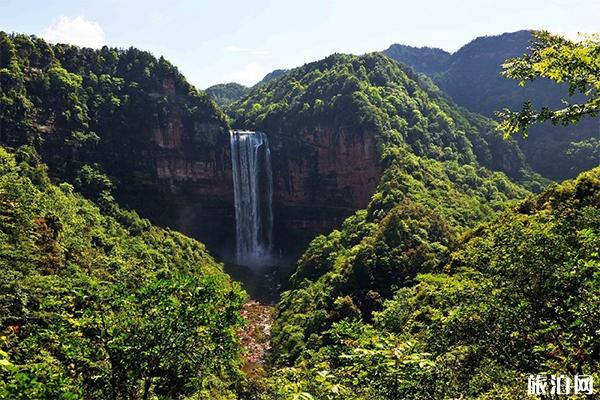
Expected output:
(221, 41)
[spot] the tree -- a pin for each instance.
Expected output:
(554, 57)
(169, 337)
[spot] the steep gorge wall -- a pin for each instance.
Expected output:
(192, 186)
(321, 176)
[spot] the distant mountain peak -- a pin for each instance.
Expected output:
(428, 60)
(226, 93)
(273, 75)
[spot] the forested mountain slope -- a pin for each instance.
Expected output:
(472, 77)
(101, 304)
(372, 95)
(396, 306)
(226, 93)
(427, 60)
(445, 277)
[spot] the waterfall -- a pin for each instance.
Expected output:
(253, 197)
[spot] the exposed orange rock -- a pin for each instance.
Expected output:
(256, 335)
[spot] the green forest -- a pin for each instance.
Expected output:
(474, 265)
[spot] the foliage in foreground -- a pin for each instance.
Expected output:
(564, 61)
(111, 307)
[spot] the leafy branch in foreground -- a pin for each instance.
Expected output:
(563, 61)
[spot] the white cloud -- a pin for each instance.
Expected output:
(78, 31)
(249, 74)
(245, 50)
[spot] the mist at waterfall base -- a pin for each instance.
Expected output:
(253, 198)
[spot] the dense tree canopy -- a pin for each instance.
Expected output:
(80, 107)
(105, 306)
(519, 295)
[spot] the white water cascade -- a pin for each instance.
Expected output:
(253, 196)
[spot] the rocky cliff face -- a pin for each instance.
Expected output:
(320, 177)
(192, 188)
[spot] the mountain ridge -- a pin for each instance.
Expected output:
(471, 76)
